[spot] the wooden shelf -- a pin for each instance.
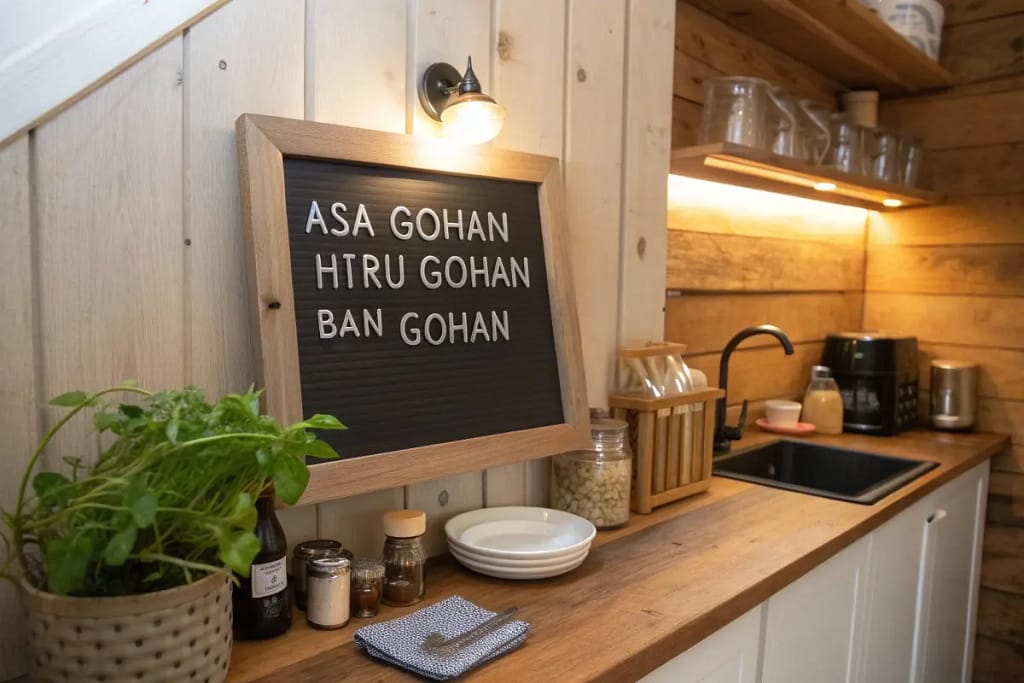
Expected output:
(842, 39)
(725, 162)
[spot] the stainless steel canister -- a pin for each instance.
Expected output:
(954, 392)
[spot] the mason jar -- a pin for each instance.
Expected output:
(594, 483)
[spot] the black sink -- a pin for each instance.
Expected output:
(839, 473)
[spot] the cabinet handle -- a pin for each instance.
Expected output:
(936, 516)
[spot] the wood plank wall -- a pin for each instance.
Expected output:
(738, 257)
(121, 229)
(954, 276)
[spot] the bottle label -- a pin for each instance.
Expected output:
(269, 578)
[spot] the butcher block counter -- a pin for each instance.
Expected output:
(648, 591)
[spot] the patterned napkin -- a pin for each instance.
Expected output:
(400, 641)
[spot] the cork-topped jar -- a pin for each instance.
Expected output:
(404, 559)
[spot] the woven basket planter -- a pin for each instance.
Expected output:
(179, 634)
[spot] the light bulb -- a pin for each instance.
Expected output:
(475, 121)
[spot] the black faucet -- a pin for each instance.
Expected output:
(724, 435)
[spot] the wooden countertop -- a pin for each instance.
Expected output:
(648, 591)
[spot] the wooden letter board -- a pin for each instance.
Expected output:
(417, 289)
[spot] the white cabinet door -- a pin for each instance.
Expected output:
(891, 596)
(728, 655)
(948, 589)
(811, 626)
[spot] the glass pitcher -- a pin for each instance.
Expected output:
(742, 110)
(813, 135)
(885, 155)
(846, 152)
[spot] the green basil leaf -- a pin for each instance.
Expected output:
(238, 550)
(171, 430)
(321, 421)
(290, 477)
(47, 486)
(67, 560)
(243, 514)
(70, 399)
(129, 410)
(120, 546)
(144, 510)
(322, 450)
(104, 421)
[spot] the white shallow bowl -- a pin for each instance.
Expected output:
(511, 571)
(782, 413)
(519, 532)
(463, 552)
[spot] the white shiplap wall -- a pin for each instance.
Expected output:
(121, 229)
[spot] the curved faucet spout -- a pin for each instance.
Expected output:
(724, 435)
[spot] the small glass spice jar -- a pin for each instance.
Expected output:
(404, 559)
(595, 483)
(367, 585)
(308, 551)
(327, 587)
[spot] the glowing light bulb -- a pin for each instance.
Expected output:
(892, 203)
(824, 187)
(475, 121)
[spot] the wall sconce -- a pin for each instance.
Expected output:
(465, 112)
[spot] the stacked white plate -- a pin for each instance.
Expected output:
(519, 542)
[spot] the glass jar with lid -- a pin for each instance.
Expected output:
(595, 483)
(823, 404)
(404, 558)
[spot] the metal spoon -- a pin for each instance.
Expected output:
(438, 644)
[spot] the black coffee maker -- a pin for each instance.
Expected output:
(877, 377)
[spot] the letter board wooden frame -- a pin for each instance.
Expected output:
(267, 147)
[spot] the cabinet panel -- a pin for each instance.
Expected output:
(728, 655)
(891, 596)
(811, 625)
(948, 590)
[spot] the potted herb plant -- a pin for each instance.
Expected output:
(125, 562)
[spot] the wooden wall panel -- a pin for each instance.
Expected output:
(685, 122)
(984, 49)
(976, 269)
(1004, 552)
(996, 661)
(992, 220)
(946, 123)
(971, 320)
(704, 261)
(996, 169)
(593, 185)
(108, 176)
(965, 11)
(227, 61)
(19, 419)
(361, 80)
(705, 322)
(645, 164)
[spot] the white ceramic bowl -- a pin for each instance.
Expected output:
(519, 532)
(782, 413)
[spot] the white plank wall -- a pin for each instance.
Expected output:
(107, 184)
(120, 221)
(18, 406)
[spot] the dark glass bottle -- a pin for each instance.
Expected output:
(262, 606)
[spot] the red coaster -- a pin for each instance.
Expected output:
(799, 429)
